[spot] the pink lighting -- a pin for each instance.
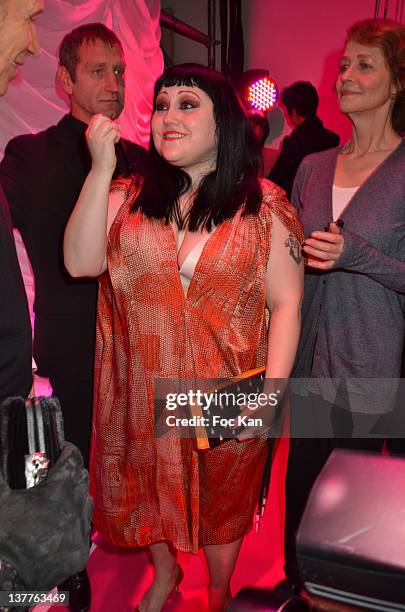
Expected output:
(257, 90)
(262, 94)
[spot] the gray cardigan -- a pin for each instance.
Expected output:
(353, 315)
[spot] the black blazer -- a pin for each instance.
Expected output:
(42, 176)
(15, 326)
(309, 137)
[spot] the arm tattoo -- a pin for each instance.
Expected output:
(295, 248)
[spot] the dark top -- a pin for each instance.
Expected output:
(309, 137)
(42, 175)
(15, 326)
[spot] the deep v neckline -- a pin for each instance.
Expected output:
(205, 240)
(199, 261)
(199, 246)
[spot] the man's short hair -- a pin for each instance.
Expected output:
(301, 97)
(71, 43)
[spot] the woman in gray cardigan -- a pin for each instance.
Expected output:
(352, 205)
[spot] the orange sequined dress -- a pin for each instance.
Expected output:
(148, 489)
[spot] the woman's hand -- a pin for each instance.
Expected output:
(323, 249)
(101, 135)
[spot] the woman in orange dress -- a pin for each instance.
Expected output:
(192, 255)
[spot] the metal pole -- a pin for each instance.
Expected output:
(211, 33)
(178, 26)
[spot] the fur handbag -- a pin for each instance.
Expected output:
(44, 517)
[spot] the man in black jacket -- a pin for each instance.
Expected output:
(18, 39)
(43, 531)
(42, 176)
(300, 102)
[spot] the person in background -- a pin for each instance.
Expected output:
(43, 531)
(18, 41)
(352, 204)
(189, 265)
(42, 175)
(261, 130)
(300, 101)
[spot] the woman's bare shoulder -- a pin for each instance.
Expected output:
(274, 202)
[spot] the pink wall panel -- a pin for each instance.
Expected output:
(302, 40)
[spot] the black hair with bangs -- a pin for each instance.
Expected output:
(234, 182)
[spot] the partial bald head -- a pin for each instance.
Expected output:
(18, 36)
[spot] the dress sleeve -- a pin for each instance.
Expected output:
(128, 186)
